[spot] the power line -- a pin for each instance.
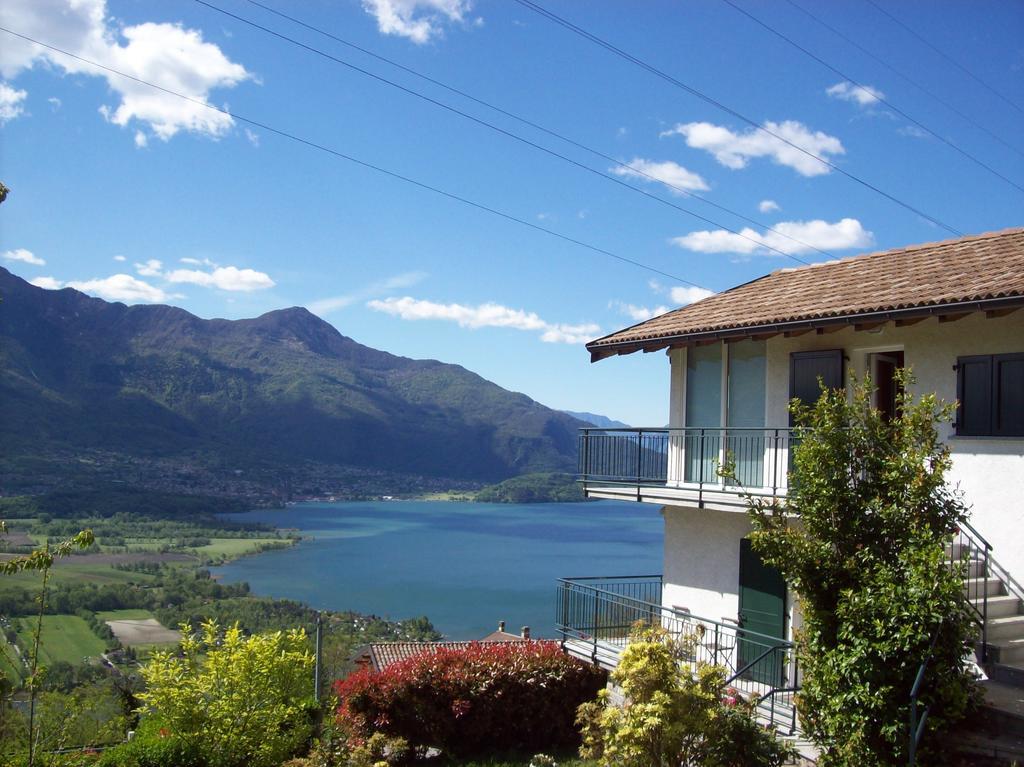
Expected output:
(536, 126)
(946, 56)
(729, 110)
(363, 163)
(509, 134)
(905, 77)
(878, 97)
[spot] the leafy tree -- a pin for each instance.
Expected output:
(862, 537)
(237, 700)
(40, 561)
(673, 713)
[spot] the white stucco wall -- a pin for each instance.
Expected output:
(702, 555)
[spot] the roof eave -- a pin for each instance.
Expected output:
(599, 351)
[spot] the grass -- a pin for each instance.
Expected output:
(64, 638)
(125, 615)
(563, 761)
(229, 548)
(10, 665)
(69, 571)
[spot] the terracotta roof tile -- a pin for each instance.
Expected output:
(978, 268)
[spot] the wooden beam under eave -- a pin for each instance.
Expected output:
(867, 326)
(830, 329)
(795, 333)
(952, 317)
(763, 336)
(906, 323)
(994, 313)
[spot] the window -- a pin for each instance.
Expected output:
(990, 389)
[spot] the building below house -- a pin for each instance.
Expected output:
(380, 655)
(950, 311)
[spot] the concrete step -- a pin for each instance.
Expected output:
(1008, 628)
(1001, 606)
(975, 568)
(1010, 652)
(975, 587)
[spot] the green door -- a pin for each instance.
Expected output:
(762, 593)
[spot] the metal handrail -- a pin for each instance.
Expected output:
(792, 709)
(916, 726)
(758, 659)
(746, 633)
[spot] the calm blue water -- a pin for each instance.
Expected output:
(463, 565)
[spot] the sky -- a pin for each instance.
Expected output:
(244, 197)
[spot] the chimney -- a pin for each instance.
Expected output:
(525, 632)
(501, 626)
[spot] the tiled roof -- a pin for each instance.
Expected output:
(380, 655)
(969, 273)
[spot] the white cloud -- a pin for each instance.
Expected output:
(120, 258)
(199, 262)
(10, 103)
(683, 295)
(55, 103)
(24, 256)
(253, 136)
(121, 287)
(151, 268)
(488, 315)
(141, 141)
(49, 283)
(912, 131)
(327, 305)
(768, 206)
(223, 278)
(669, 173)
(847, 233)
(637, 313)
(168, 55)
(735, 150)
(862, 95)
(419, 20)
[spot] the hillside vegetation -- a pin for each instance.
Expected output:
(84, 382)
(540, 487)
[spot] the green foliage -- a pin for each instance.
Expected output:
(673, 713)
(473, 701)
(861, 538)
(238, 700)
(542, 487)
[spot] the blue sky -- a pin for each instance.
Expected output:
(132, 194)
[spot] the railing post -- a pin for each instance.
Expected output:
(984, 604)
(775, 465)
(639, 459)
(700, 474)
(585, 459)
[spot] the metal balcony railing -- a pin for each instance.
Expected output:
(595, 616)
(687, 458)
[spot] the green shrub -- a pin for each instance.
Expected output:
(867, 560)
(673, 713)
(488, 698)
(153, 750)
(235, 700)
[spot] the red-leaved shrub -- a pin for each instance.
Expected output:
(487, 698)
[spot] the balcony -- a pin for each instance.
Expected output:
(680, 465)
(594, 617)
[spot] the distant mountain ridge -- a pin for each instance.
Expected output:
(594, 419)
(153, 381)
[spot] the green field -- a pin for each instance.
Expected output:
(69, 571)
(10, 665)
(125, 615)
(65, 638)
(226, 548)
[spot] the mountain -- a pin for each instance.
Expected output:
(594, 419)
(155, 383)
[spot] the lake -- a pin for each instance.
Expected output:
(463, 565)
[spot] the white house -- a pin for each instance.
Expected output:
(950, 311)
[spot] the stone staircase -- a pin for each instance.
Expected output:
(999, 602)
